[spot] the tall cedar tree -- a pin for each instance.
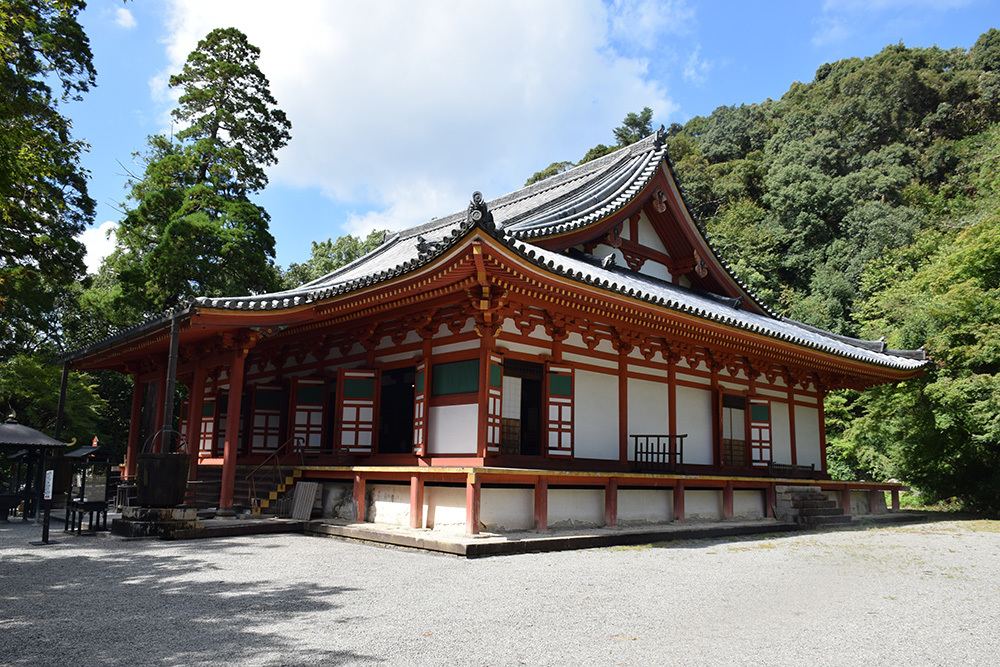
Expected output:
(43, 189)
(194, 230)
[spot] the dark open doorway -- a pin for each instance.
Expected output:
(395, 434)
(522, 407)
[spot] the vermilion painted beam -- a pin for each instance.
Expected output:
(541, 503)
(416, 502)
(472, 501)
(359, 497)
(845, 500)
(135, 418)
(727, 501)
(679, 501)
(233, 419)
(611, 503)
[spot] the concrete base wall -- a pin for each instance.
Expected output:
(512, 509)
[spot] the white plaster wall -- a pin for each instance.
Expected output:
(638, 506)
(807, 436)
(571, 357)
(648, 236)
(595, 424)
(523, 349)
(694, 417)
(781, 439)
(456, 347)
(453, 429)
(402, 356)
(655, 269)
(387, 503)
(703, 505)
(575, 507)
(507, 509)
(749, 504)
(444, 508)
(648, 410)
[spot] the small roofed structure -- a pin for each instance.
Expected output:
(88, 488)
(31, 448)
(573, 352)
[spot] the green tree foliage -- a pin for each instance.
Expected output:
(329, 255)
(866, 202)
(29, 386)
(551, 170)
(193, 230)
(44, 203)
(634, 127)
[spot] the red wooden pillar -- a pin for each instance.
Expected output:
(845, 500)
(135, 419)
(611, 503)
(771, 499)
(679, 501)
(542, 503)
(195, 404)
(472, 498)
(416, 502)
(895, 500)
(359, 497)
(727, 501)
(233, 419)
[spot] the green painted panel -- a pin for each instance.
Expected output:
(267, 399)
(208, 409)
(455, 377)
(359, 388)
(310, 394)
(420, 382)
(496, 375)
(760, 413)
(560, 385)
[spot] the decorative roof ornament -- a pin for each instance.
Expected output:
(609, 261)
(661, 137)
(478, 213)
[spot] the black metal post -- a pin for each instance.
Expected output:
(62, 401)
(168, 405)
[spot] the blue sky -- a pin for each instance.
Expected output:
(401, 109)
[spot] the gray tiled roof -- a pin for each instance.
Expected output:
(567, 201)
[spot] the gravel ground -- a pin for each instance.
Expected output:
(925, 594)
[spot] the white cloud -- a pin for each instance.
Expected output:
(695, 69)
(842, 19)
(643, 23)
(100, 242)
(124, 18)
(453, 96)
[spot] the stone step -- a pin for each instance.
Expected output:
(827, 520)
(808, 504)
(790, 496)
(820, 511)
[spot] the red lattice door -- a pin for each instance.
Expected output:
(357, 410)
(559, 410)
(494, 402)
(760, 431)
(421, 385)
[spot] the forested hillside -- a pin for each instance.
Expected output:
(867, 202)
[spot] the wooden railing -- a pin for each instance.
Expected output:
(657, 453)
(291, 446)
